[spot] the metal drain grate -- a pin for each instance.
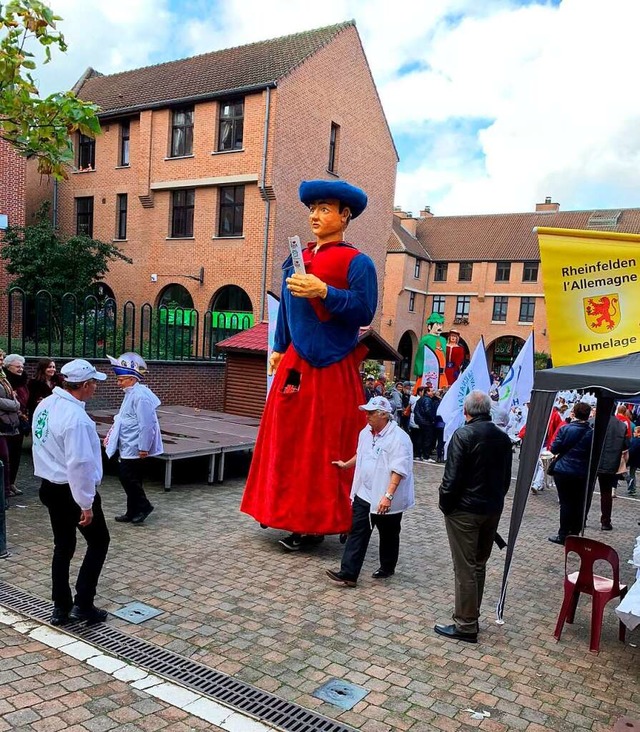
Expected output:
(196, 676)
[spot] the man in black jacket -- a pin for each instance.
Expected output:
(476, 479)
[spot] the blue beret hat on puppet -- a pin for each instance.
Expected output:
(340, 190)
(129, 364)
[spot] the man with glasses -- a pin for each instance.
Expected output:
(67, 456)
(135, 434)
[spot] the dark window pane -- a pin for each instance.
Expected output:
(503, 271)
(530, 272)
(231, 125)
(465, 272)
(500, 305)
(125, 131)
(182, 205)
(84, 216)
(438, 304)
(121, 232)
(86, 153)
(440, 274)
(231, 216)
(182, 133)
(527, 309)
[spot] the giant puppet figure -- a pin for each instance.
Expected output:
(311, 415)
(454, 356)
(436, 343)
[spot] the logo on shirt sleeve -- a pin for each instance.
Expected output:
(41, 429)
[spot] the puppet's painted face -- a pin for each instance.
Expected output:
(454, 338)
(434, 328)
(327, 221)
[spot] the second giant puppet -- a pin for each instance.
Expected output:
(436, 342)
(311, 416)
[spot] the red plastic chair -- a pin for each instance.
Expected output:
(601, 589)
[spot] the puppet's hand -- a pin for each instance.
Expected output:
(306, 285)
(274, 362)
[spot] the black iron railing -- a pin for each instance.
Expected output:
(41, 325)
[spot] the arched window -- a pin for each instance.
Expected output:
(405, 349)
(231, 309)
(175, 296)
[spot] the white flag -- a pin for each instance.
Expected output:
(515, 389)
(273, 305)
(475, 376)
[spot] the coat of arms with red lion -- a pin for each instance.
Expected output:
(602, 313)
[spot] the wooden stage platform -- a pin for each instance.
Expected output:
(188, 432)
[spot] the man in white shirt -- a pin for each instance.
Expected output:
(382, 490)
(67, 456)
(135, 434)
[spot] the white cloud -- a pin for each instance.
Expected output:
(553, 85)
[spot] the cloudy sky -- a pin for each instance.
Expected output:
(493, 104)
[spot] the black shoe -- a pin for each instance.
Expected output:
(140, 517)
(91, 615)
(123, 518)
(450, 631)
(556, 540)
(291, 543)
(341, 579)
(606, 527)
(382, 573)
(59, 616)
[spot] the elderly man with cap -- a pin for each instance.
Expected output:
(67, 456)
(135, 434)
(292, 483)
(382, 490)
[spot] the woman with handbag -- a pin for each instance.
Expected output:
(570, 467)
(17, 377)
(9, 423)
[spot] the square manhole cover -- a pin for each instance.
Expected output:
(341, 693)
(137, 612)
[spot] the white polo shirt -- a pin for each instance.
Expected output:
(66, 446)
(377, 457)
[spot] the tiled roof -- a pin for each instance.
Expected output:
(205, 76)
(401, 240)
(510, 237)
(251, 339)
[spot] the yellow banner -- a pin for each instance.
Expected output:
(592, 293)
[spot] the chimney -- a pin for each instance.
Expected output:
(409, 224)
(425, 213)
(548, 206)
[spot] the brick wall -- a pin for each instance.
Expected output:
(189, 384)
(12, 193)
(333, 85)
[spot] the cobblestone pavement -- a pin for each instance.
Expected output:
(44, 690)
(232, 599)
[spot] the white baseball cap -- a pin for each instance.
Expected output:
(377, 403)
(75, 372)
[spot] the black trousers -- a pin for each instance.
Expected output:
(131, 473)
(571, 497)
(355, 549)
(64, 514)
(427, 440)
(14, 444)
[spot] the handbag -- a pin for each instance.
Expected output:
(551, 468)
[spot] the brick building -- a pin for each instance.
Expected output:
(482, 273)
(12, 194)
(197, 170)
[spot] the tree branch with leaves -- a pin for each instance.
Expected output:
(35, 127)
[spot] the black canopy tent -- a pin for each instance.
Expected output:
(610, 380)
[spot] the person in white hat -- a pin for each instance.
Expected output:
(382, 490)
(135, 434)
(68, 458)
